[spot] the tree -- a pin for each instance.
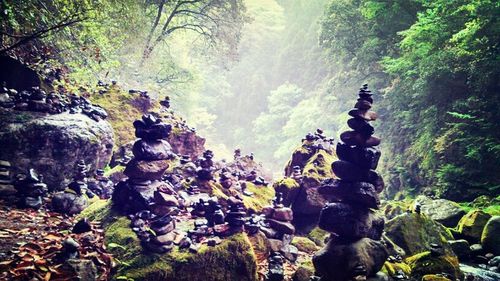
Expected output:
(21, 25)
(215, 20)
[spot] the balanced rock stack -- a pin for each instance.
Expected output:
(355, 250)
(144, 188)
(279, 218)
(6, 184)
(150, 202)
(30, 189)
(75, 198)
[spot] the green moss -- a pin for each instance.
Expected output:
(318, 235)
(98, 211)
(233, 259)
(424, 263)
(493, 210)
(304, 244)
(114, 170)
(318, 167)
(434, 277)
(472, 224)
(392, 269)
(262, 196)
(289, 189)
(121, 113)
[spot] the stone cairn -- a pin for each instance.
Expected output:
(150, 202)
(75, 198)
(30, 189)
(355, 250)
(101, 185)
(6, 183)
(38, 100)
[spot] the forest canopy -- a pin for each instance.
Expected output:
(260, 74)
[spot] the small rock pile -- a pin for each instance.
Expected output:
(355, 250)
(279, 228)
(6, 183)
(101, 185)
(75, 198)
(30, 189)
(38, 100)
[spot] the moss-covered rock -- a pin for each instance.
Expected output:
(289, 188)
(471, 226)
(415, 232)
(318, 168)
(443, 211)
(303, 272)
(434, 277)
(262, 196)
(233, 259)
(53, 144)
(318, 236)
(490, 237)
(425, 263)
(394, 268)
(300, 156)
(304, 244)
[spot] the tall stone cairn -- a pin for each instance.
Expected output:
(355, 250)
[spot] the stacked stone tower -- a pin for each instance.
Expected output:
(355, 250)
(145, 171)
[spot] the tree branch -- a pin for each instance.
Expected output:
(70, 20)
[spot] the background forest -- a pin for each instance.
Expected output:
(263, 73)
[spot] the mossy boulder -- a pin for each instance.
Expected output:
(233, 259)
(318, 236)
(394, 268)
(300, 156)
(304, 272)
(262, 196)
(289, 188)
(304, 244)
(425, 263)
(53, 144)
(443, 211)
(415, 232)
(490, 238)
(318, 168)
(471, 226)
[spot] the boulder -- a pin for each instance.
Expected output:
(425, 263)
(490, 238)
(233, 259)
(446, 212)
(289, 189)
(186, 142)
(149, 170)
(338, 261)
(415, 232)
(53, 144)
(471, 226)
(461, 248)
(352, 222)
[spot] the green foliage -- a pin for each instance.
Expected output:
(439, 66)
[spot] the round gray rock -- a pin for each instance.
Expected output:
(446, 212)
(52, 144)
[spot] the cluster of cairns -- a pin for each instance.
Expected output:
(38, 100)
(318, 140)
(354, 250)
